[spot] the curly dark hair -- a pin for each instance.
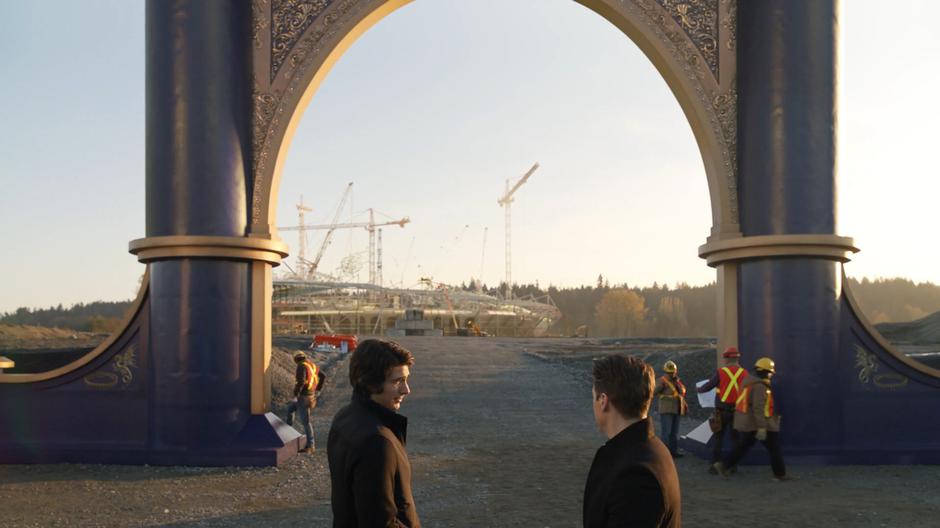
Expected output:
(628, 382)
(371, 362)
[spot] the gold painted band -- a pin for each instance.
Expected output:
(831, 247)
(238, 248)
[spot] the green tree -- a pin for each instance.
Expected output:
(671, 318)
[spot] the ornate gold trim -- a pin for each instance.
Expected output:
(241, 248)
(876, 335)
(100, 349)
(708, 102)
(740, 248)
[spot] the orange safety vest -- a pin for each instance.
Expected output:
(744, 402)
(728, 386)
(312, 378)
(741, 404)
(680, 391)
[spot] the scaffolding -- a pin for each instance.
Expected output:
(304, 307)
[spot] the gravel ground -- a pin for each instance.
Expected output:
(501, 435)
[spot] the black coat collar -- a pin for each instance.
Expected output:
(397, 423)
(636, 433)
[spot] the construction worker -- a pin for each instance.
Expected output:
(672, 405)
(727, 380)
(309, 381)
(755, 420)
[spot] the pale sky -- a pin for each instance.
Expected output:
(429, 113)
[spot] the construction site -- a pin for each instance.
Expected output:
(307, 300)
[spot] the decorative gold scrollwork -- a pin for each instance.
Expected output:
(122, 365)
(259, 20)
(101, 380)
(865, 361)
(868, 365)
(890, 380)
(699, 20)
(289, 20)
(730, 24)
(688, 23)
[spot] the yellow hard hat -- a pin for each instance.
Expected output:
(299, 355)
(670, 367)
(765, 363)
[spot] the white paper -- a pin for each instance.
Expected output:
(705, 399)
(702, 433)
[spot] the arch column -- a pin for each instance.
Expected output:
(789, 300)
(209, 283)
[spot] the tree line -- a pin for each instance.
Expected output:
(895, 300)
(690, 311)
(602, 309)
(102, 317)
(624, 311)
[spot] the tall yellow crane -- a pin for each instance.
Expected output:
(506, 202)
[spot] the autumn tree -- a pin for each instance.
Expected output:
(620, 313)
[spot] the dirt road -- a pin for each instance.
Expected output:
(498, 438)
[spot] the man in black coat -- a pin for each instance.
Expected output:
(369, 468)
(632, 481)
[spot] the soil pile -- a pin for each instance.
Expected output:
(25, 337)
(920, 332)
(283, 367)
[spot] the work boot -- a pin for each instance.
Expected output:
(712, 470)
(308, 449)
(721, 470)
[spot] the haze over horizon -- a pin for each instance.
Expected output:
(429, 113)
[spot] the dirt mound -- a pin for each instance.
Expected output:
(695, 357)
(29, 337)
(282, 370)
(922, 331)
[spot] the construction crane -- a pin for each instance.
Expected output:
(302, 245)
(311, 265)
(378, 262)
(372, 252)
(371, 226)
(506, 202)
(482, 260)
(445, 290)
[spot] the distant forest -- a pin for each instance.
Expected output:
(623, 311)
(689, 311)
(601, 309)
(98, 317)
(895, 300)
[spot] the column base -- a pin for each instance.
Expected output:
(264, 441)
